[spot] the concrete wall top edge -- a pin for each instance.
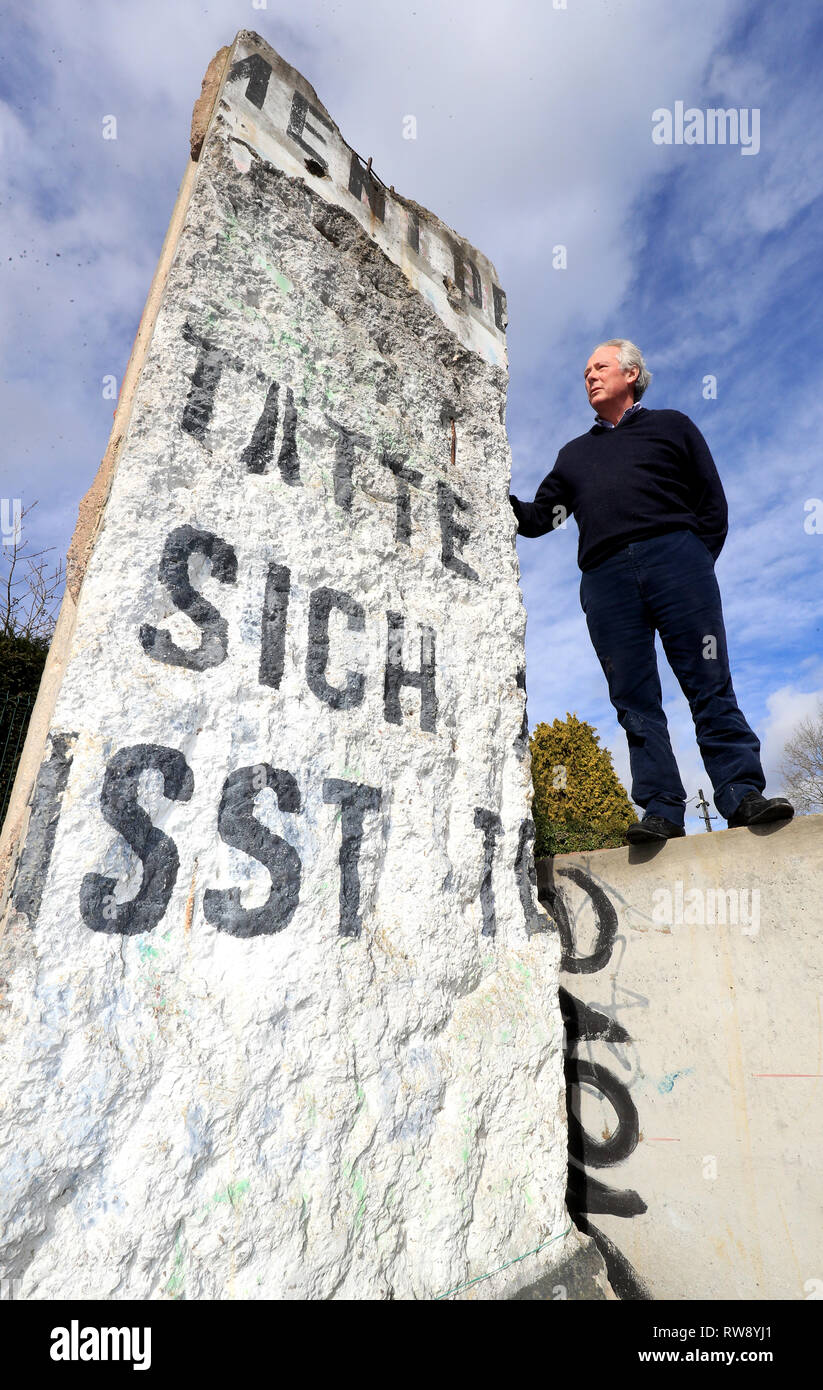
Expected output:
(802, 836)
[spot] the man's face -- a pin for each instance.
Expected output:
(605, 381)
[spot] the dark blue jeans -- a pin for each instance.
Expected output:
(667, 584)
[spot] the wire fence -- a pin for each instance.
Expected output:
(15, 712)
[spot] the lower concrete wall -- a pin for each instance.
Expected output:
(692, 993)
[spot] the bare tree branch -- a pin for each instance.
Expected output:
(802, 765)
(30, 595)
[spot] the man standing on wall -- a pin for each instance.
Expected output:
(644, 490)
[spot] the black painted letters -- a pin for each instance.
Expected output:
(238, 826)
(118, 802)
(355, 800)
(184, 542)
(320, 606)
(397, 675)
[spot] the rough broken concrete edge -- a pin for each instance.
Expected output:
(425, 215)
(210, 89)
(93, 504)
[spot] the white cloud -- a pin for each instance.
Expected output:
(787, 707)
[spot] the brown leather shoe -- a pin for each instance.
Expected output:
(756, 809)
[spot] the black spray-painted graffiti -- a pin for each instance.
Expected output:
(588, 1196)
(305, 119)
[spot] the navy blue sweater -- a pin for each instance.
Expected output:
(653, 473)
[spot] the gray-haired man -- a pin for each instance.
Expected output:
(647, 498)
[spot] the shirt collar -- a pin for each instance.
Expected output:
(607, 424)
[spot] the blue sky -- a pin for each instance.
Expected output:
(534, 129)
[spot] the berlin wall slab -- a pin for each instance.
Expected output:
(279, 1006)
